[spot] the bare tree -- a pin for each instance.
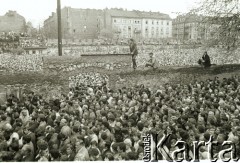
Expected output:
(225, 14)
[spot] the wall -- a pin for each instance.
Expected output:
(12, 21)
(76, 23)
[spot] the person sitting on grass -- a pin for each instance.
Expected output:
(205, 61)
(151, 62)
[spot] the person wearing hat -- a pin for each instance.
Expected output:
(151, 62)
(133, 52)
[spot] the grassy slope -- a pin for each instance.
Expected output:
(141, 76)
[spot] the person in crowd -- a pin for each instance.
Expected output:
(133, 52)
(81, 151)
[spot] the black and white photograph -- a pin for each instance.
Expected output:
(120, 80)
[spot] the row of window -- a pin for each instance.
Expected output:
(139, 22)
(124, 31)
(157, 29)
(156, 36)
(156, 22)
(127, 21)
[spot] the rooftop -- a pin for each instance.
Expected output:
(137, 14)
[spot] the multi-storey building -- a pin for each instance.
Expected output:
(88, 23)
(76, 23)
(139, 24)
(12, 21)
(192, 27)
(156, 25)
(123, 23)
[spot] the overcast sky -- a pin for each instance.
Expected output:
(37, 11)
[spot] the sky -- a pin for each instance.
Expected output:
(36, 11)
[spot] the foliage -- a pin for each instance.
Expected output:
(106, 33)
(225, 15)
(18, 51)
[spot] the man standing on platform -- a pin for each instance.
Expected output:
(133, 52)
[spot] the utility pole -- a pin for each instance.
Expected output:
(59, 28)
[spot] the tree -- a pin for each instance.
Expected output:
(224, 14)
(31, 31)
(106, 33)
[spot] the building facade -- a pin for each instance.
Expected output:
(193, 28)
(76, 23)
(88, 23)
(139, 24)
(156, 25)
(123, 23)
(12, 21)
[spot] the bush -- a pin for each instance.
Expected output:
(18, 51)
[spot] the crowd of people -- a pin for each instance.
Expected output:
(21, 63)
(167, 57)
(95, 123)
(91, 78)
(102, 65)
(188, 57)
(10, 36)
(12, 41)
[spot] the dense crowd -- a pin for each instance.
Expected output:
(10, 36)
(188, 57)
(21, 63)
(10, 41)
(39, 41)
(91, 78)
(94, 122)
(166, 57)
(13, 41)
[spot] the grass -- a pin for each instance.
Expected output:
(145, 76)
(88, 59)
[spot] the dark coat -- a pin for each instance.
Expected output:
(133, 49)
(207, 61)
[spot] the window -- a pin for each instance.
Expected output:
(157, 22)
(167, 23)
(124, 28)
(146, 22)
(167, 31)
(129, 27)
(153, 22)
(115, 21)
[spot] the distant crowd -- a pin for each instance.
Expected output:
(11, 42)
(167, 57)
(21, 63)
